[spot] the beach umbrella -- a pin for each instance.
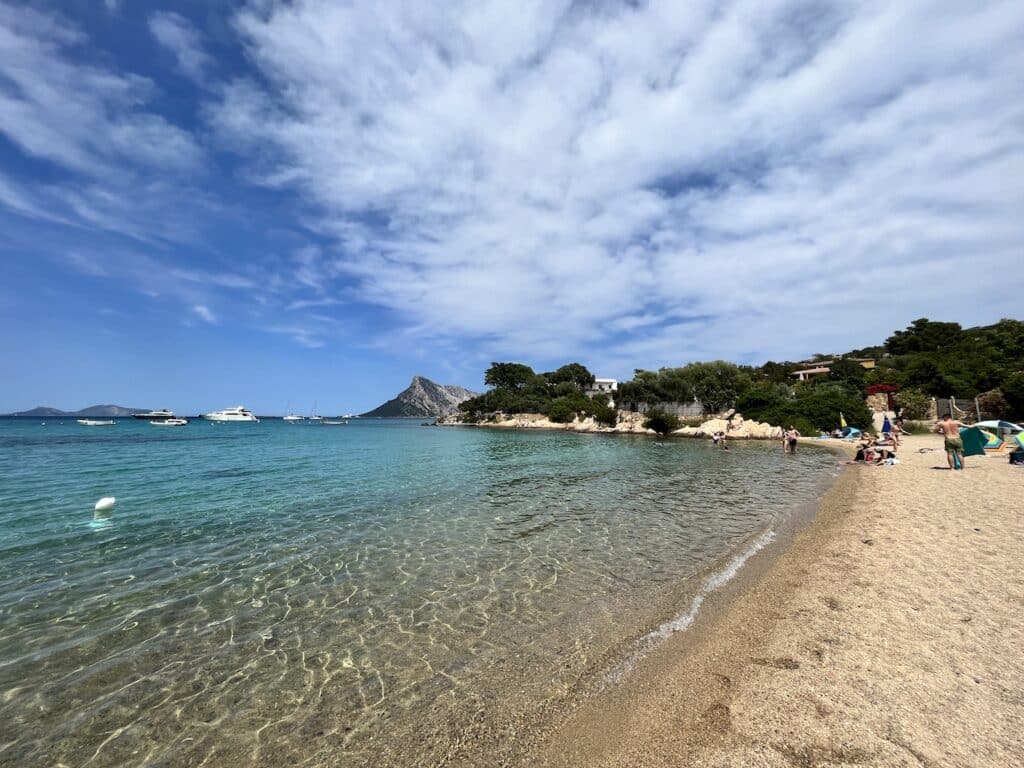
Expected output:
(992, 442)
(1001, 425)
(886, 426)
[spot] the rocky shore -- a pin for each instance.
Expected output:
(733, 425)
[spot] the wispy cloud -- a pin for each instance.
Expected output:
(205, 313)
(556, 176)
(112, 164)
(175, 33)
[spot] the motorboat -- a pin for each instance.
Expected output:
(348, 416)
(169, 422)
(162, 415)
(238, 413)
(333, 422)
(96, 422)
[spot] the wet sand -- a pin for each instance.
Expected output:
(890, 632)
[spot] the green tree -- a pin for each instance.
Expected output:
(508, 375)
(1013, 391)
(574, 373)
(924, 335)
(661, 422)
(562, 411)
(848, 370)
(717, 384)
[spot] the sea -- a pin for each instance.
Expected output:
(378, 593)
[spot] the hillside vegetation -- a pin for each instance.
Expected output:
(927, 359)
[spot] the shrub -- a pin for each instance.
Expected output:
(661, 422)
(993, 405)
(918, 427)
(913, 403)
(562, 411)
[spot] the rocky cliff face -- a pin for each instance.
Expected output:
(423, 398)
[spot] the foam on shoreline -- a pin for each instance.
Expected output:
(683, 621)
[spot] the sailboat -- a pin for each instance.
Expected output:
(291, 416)
(313, 414)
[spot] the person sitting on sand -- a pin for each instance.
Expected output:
(949, 428)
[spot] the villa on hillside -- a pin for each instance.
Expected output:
(822, 368)
(604, 387)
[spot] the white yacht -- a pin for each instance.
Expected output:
(162, 415)
(238, 413)
(96, 422)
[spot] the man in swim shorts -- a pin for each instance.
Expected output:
(950, 430)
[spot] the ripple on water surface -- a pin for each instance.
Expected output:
(277, 593)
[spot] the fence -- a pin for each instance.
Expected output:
(690, 410)
(967, 411)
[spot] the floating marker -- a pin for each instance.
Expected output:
(105, 504)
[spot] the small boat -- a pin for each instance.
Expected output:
(238, 413)
(169, 423)
(96, 422)
(348, 416)
(162, 415)
(291, 417)
(333, 422)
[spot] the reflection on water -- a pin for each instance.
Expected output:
(271, 594)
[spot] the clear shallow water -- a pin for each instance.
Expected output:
(375, 593)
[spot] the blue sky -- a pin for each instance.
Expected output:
(274, 203)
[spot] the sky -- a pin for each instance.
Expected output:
(289, 204)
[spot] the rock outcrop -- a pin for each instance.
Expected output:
(736, 427)
(423, 398)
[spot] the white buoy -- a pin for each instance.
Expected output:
(106, 503)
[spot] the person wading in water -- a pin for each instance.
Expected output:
(789, 440)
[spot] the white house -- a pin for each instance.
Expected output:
(604, 387)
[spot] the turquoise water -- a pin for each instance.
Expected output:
(378, 593)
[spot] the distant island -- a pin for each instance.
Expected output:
(423, 398)
(107, 411)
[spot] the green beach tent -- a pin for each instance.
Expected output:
(974, 441)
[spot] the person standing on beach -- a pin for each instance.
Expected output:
(949, 428)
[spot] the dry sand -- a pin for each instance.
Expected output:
(889, 633)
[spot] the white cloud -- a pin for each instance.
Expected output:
(551, 178)
(175, 33)
(205, 313)
(113, 164)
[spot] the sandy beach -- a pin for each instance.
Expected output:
(889, 632)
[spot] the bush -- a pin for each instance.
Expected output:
(993, 405)
(661, 422)
(562, 411)
(918, 427)
(913, 404)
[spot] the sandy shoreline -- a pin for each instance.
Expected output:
(889, 633)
